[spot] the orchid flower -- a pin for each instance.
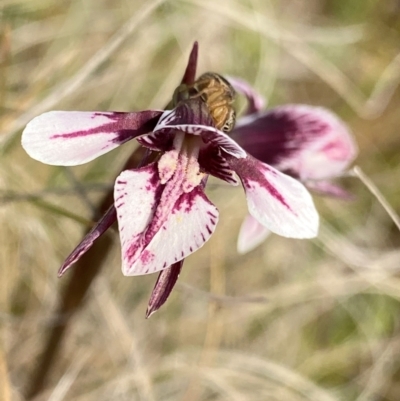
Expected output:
(309, 143)
(162, 210)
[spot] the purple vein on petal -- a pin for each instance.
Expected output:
(125, 125)
(248, 170)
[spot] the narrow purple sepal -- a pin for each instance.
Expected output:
(98, 230)
(190, 72)
(165, 283)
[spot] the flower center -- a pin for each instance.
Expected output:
(180, 165)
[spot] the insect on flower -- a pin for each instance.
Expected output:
(217, 93)
(162, 210)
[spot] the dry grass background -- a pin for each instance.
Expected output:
(293, 320)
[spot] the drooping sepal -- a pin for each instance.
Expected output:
(98, 230)
(165, 283)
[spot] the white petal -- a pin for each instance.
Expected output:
(251, 235)
(277, 201)
(69, 138)
(136, 194)
(187, 226)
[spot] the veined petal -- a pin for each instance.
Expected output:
(255, 101)
(307, 142)
(69, 138)
(213, 163)
(192, 117)
(251, 234)
(188, 227)
(136, 195)
(185, 228)
(277, 201)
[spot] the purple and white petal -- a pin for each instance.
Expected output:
(192, 117)
(136, 196)
(165, 283)
(159, 141)
(251, 235)
(187, 228)
(213, 163)
(256, 102)
(149, 244)
(279, 202)
(97, 231)
(307, 142)
(190, 112)
(69, 138)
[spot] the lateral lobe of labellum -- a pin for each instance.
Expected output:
(70, 138)
(152, 237)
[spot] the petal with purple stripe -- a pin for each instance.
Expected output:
(251, 235)
(307, 142)
(136, 195)
(213, 163)
(279, 202)
(69, 138)
(152, 237)
(192, 117)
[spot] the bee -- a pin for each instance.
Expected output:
(217, 93)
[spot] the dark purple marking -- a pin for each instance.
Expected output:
(279, 133)
(208, 229)
(250, 170)
(124, 126)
